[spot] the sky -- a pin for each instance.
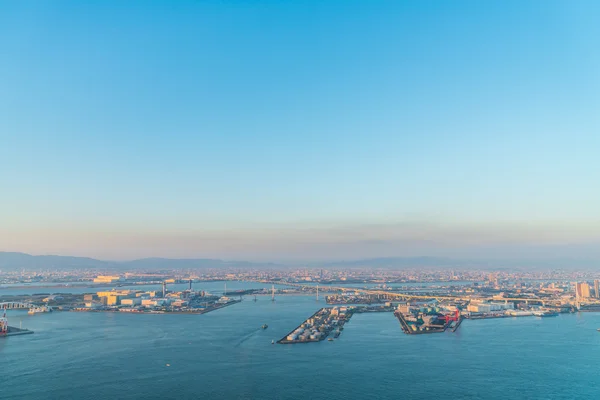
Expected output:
(300, 130)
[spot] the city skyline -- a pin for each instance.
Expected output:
(336, 131)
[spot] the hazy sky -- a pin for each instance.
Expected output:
(300, 129)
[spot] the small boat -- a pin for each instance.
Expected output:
(598, 329)
(36, 310)
(265, 326)
(272, 342)
(546, 313)
(330, 339)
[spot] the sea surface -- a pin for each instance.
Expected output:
(225, 355)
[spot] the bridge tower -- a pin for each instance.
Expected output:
(3, 324)
(272, 292)
(317, 292)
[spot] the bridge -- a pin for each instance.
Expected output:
(407, 296)
(10, 305)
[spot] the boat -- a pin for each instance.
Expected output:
(598, 329)
(330, 339)
(545, 314)
(36, 310)
(272, 342)
(265, 326)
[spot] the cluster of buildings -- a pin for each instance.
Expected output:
(488, 307)
(583, 290)
(108, 279)
(136, 300)
(426, 317)
(130, 298)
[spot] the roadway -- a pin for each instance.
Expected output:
(408, 296)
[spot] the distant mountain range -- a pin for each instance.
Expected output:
(13, 260)
(496, 264)
(395, 262)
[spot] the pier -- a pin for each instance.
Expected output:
(414, 329)
(12, 331)
(457, 324)
(6, 330)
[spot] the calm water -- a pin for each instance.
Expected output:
(225, 355)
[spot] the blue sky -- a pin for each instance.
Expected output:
(300, 130)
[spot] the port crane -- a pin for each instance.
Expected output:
(452, 316)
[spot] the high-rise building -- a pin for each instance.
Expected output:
(597, 288)
(585, 290)
(582, 290)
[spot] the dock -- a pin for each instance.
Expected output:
(12, 331)
(457, 325)
(406, 327)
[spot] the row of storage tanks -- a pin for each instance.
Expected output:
(305, 334)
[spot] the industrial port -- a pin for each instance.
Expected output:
(418, 320)
(418, 306)
(319, 326)
(327, 323)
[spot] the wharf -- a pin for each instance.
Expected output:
(12, 331)
(209, 309)
(406, 328)
(490, 316)
(369, 309)
(457, 325)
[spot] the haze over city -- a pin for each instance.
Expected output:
(300, 131)
(283, 200)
